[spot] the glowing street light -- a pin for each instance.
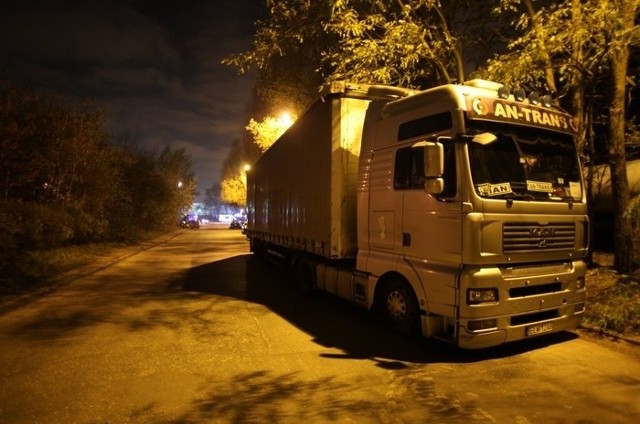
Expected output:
(285, 120)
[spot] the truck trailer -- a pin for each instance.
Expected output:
(457, 212)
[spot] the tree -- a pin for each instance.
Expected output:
(567, 48)
(266, 132)
(62, 181)
(287, 51)
(233, 190)
(413, 43)
(233, 175)
(400, 42)
(623, 31)
(177, 181)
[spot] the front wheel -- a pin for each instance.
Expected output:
(399, 307)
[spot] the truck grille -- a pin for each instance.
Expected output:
(532, 236)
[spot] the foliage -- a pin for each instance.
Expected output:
(233, 190)
(407, 43)
(32, 270)
(613, 300)
(287, 51)
(569, 48)
(212, 197)
(267, 131)
(233, 187)
(243, 153)
(413, 43)
(62, 182)
(48, 146)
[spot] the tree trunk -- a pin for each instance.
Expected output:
(548, 69)
(582, 111)
(624, 260)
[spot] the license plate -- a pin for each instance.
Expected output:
(533, 330)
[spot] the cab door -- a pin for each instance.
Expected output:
(431, 227)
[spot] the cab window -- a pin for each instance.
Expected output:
(409, 170)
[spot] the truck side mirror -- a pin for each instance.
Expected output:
(433, 185)
(433, 159)
(433, 166)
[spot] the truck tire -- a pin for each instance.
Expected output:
(303, 275)
(399, 307)
(259, 249)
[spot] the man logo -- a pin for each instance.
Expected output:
(543, 236)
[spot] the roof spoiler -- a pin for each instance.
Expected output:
(365, 91)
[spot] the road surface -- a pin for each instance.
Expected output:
(195, 331)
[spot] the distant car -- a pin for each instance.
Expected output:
(189, 222)
(236, 224)
(243, 227)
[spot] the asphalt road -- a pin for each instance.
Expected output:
(195, 331)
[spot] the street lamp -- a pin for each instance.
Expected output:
(285, 120)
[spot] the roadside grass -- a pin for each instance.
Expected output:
(613, 300)
(32, 270)
(28, 271)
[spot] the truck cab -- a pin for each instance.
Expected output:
(471, 198)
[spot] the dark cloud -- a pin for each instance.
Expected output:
(155, 65)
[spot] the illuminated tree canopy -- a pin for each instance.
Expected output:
(267, 131)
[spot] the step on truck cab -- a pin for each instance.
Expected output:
(458, 212)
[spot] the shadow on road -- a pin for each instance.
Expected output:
(335, 323)
(134, 301)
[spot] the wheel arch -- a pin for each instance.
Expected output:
(385, 278)
(397, 303)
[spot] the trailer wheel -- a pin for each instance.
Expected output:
(400, 308)
(303, 275)
(259, 248)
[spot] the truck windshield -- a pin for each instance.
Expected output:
(525, 164)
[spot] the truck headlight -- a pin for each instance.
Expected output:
(475, 296)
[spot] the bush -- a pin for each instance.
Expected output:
(613, 301)
(29, 226)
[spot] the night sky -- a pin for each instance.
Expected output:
(154, 65)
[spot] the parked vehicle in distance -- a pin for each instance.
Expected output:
(189, 222)
(236, 224)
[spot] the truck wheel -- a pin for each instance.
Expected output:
(259, 250)
(400, 307)
(303, 275)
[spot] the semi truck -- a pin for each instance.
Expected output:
(456, 213)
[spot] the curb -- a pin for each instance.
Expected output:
(610, 334)
(60, 280)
